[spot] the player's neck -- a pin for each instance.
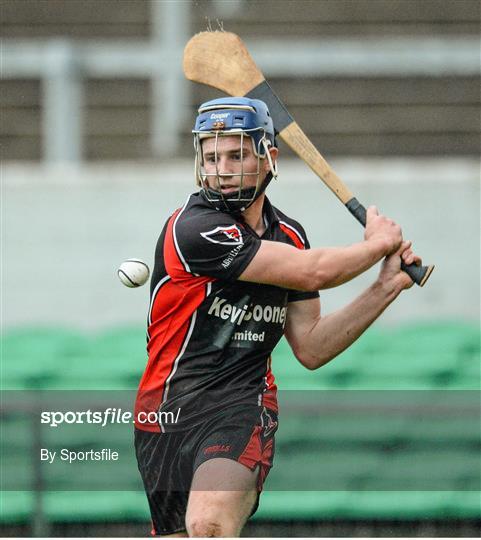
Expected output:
(253, 216)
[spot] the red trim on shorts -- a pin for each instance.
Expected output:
(255, 454)
(266, 463)
(269, 397)
(252, 454)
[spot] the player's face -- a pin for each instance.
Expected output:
(234, 163)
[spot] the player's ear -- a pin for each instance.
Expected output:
(274, 152)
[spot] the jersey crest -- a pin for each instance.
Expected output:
(228, 236)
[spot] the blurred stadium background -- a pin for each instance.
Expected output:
(96, 152)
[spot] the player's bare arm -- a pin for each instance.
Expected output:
(315, 340)
(323, 268)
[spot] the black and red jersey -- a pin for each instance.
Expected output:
(210, 336)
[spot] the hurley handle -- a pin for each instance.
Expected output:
(419, 274)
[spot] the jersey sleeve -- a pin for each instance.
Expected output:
(215, 245)
(296, 296)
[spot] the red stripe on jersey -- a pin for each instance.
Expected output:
(293, 235)
(176, 266)
(172, 261)
(172, 314)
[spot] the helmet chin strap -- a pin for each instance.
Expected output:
(232, 206)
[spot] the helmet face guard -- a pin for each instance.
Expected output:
(229, 117)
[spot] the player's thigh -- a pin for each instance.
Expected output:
(222, 497)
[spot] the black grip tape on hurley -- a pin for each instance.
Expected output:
(357, 210)
(279, 114)
(415, 272)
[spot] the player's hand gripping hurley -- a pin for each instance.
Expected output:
(221, 60)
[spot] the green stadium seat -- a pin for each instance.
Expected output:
(76, 506)
(115, 360)
(60, 359)
(30, 356)
(302, 505)
(90, 384)
(464, 505)
(16, 506)
(17, 471)
(462, 429)
(374, 341)
(398, 384)
(16, 433)
(469, 371)
(396, 505)
(299, 468)
(467, 379)
(121, 341)
(93, 476)
(346, 429)
(436, 469)
(26, 343)
(397, 364)
(449, 337)
(97, 506)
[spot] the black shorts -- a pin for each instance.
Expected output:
(167, 461)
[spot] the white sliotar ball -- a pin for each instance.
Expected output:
(133, 273)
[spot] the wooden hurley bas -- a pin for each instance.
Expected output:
(221, 60)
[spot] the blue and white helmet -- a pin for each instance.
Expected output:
(234, 116)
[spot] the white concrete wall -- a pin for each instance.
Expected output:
(65, 231)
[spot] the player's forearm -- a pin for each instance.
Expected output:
(331, 267)
(332, 334)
